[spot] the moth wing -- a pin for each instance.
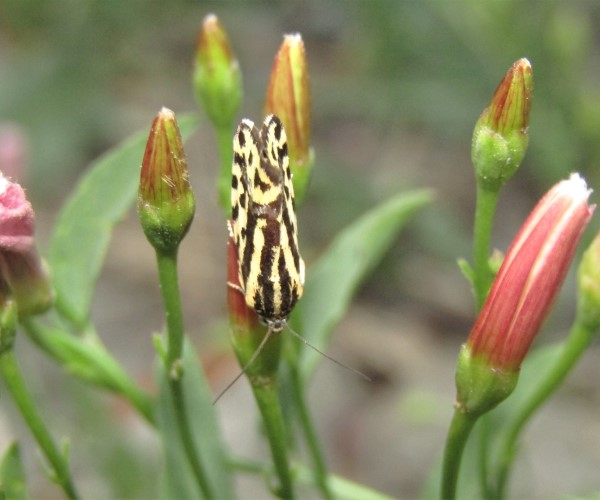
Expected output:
(276, 146)
(246, 157)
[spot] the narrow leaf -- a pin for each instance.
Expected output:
(178, 481)
(84, 226)
(12, 475)
(332, 281)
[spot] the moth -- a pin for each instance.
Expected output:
(264, 225)
(265, 230)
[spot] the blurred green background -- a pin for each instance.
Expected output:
(397, 87)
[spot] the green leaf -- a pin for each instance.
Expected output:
(86, 357)
(332, 281)
(12, 475)
(466, 270)
(85, 224)
(178, 481)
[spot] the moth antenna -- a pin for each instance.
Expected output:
(247, 365)
(339, 363)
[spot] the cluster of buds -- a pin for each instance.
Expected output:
(521, 296)
(501, 136)
(218, 84)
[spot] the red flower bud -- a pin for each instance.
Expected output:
(521, 296)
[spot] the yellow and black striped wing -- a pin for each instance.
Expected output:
(271, 270)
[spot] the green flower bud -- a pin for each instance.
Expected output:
(588, 281)
(165, 199)
(501, 134)
(288, 97)
(217, 75)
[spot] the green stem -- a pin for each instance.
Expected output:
(482, 279)
(460, 428)
(578, 341)
(341, 487)
(16, 386)
(169, 285)
(312, 440)
(484, 436)
(101, 368)
(225, 144)
(482, 234)
(267, 399)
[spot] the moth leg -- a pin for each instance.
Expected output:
(236, 287)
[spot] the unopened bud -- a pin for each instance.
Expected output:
(288, 97)
(165, 199)
(217, 75)
(501, 136)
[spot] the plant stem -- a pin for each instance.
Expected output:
(483, 451)
(460, 428)
(169, 285)
(16, 386)
(341, 487)
(482, 233)
(483, 277)
(224, 142)
(310, 435)
(267, 398)
(575, 345)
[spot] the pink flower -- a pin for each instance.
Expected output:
(21, 266)
(530, 276)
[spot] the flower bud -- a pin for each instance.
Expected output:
(588, 281)
(288, 97)
(217, 75)
(521, 296)
(165, 199)
(501, 134)
(21, 266)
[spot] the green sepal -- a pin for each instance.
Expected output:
(480, 386)
(167, 225)
(8, 325)
(496, 157)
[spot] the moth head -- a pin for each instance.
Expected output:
(275, 325)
